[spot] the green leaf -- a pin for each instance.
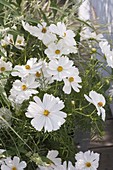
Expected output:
(44, 17)
(19, 2)
(8, 5)
(84, 22)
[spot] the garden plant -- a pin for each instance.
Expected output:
(51, 85)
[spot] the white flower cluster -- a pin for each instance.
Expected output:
(59, 42)
(36, 75)
(39, 74)
(9, 40)
(5, 66)
(57, 38)
(84, 161)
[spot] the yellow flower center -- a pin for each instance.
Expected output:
(71, 79)
(60, 68)
(38, 74)
(27, 67)
(57, 52)
(11, 41)
(2, 68)
(4, 45)
(19, 41)
(44, 30)
(88, 164)
(100, 104)
(24, 87)
(64, 34)
(14, 168)
(46, 112)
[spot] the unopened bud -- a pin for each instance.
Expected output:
(93, 50)
(110, 98)
(107, 81)
(73, 102)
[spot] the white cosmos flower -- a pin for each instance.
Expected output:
(8, 39)
(98, 100)
(4, 30)
(65, 166)
(4, 42)
(43, 77)
(72, 81)
(41, 31)
(52, 155)
(66, 35)
(105, 48)
(109, 59)
(55, 161)
(31, 67)
(55, 50)
(61, 68)
(13, 164)
(23, 89)
(86, 33)
(5, 66)
(84, 10)
(87, 160)
(69, 48)
(20, 42)
(46, 114)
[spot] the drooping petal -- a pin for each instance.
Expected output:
(87, 98)
(67, 89)
(103, 113)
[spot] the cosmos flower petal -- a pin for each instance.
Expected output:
(16, 160)
(38, 101)
(87, 98)
(48, 125)
(38, 122)
(22, 165)
(103, 113)
(4, 167)
(75, 88)
(67, 89)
